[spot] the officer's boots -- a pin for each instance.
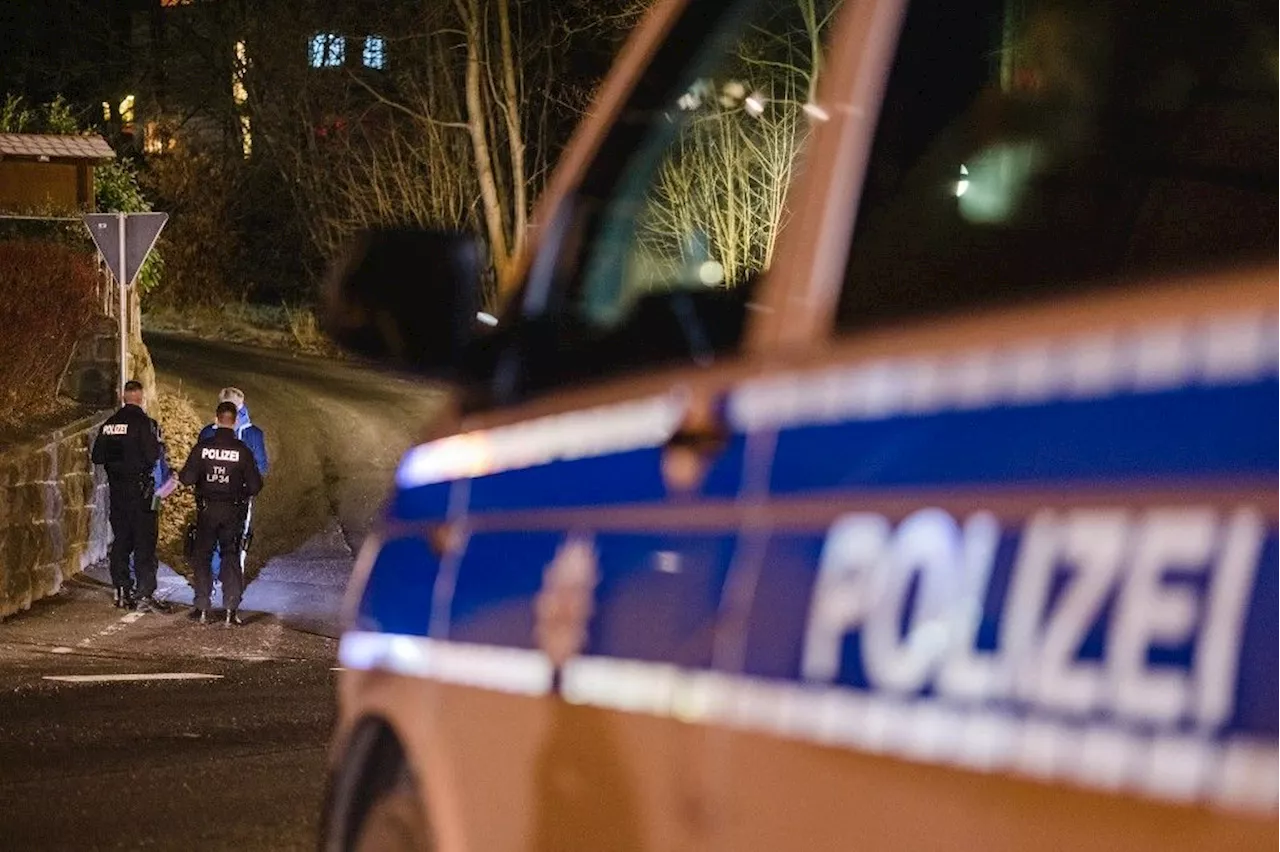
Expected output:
(123, 598)
(233, 618)
(151, 603)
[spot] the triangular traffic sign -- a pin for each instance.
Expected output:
(105, 230)
(140, 233)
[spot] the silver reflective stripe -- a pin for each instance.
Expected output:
(1236, 773)
(489, 667)
(1227, 350)
(591, 432)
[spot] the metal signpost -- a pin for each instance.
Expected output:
(125, 240)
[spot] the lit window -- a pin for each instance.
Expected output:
(151, 141)
(328, 50)
(375, 52)
(126, 109)
(238, 91)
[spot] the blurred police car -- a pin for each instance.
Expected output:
(879, 450)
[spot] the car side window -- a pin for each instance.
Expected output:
(1037, 146)
(706, 199)
(681, 212)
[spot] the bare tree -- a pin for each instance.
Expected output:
(493, 116)
(459, 130)
(718, 202)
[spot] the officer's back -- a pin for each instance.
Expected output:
(127, 446)
(222, 469)
(225, 476)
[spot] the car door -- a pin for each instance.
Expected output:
(580, 566)
(1020, 588)
(602, 502)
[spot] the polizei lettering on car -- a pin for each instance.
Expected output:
(1088, 612)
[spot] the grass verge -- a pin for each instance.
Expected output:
(273, 326)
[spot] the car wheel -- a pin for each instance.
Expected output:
(373, 801)
(394, 822)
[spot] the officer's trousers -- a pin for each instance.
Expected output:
(133, 533)
(218, 524)
(217, 551)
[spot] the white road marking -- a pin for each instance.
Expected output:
(115, 627)
(119, 678)
(61, 649)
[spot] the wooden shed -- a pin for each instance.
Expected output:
(45, 172)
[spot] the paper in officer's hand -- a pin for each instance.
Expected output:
(170, 486)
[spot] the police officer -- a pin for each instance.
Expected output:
(225, 476)
(128, 446)
(252, 435)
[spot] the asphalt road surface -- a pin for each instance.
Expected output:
(226, 749)
(335, 433)
(148, 731)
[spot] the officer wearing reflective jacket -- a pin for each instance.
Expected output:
(225, 476)
(128, 446)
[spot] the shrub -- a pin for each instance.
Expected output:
(47, 300)
(304, 327)
(181, 424)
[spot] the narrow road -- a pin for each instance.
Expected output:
(125, 730)
(335, 432)
(122, 731)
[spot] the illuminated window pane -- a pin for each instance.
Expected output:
(238, 91)
(375, 52)
(327, 50)
(151, 141)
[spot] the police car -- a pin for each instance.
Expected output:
(878, 450)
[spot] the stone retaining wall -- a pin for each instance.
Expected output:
(53, 513)
(92, 375)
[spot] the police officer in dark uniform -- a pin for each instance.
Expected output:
(128, 445)
(225, 476)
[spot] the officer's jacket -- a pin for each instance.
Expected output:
(222, 469)
(128, 445)
(249, 433)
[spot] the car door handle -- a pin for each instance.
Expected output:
(705, 440)
(689, 451)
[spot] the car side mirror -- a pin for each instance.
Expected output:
(406, 298)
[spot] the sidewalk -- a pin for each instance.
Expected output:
(304, 589)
